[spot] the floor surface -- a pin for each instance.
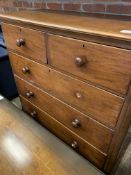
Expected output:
(125, 165)
(26, 148)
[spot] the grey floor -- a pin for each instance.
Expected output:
(125, 165)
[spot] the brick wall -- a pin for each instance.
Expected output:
(120, 7)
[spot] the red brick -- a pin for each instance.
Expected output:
(94, 8)
(119, 9)
(54, 6)
(126, 9)
(114, 8)
(107, 1)
(6, 9)
(6, 3)
(9, 9)
(39, 5)
(72, 7)
(126, 0)
(26, 4)
(17, 4)
(22, 8)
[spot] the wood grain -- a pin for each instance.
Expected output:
(80, 24)
(95, 133)
(27, 148)
(65, 134)
(103, 106)
(34, 47)
(107, 66)
(100, 94)
(120, 133)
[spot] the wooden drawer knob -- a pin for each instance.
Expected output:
(78, 95)
(79, 61)
(76, 123)
(74, 145)
(33, 114)
(20, 42)
(29, 94)
(25, 70)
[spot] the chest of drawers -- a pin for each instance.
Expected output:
(73, 76)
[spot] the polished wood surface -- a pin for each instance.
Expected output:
(101, 98)
(109, 28)
(107, 66)
(29, 149)
(88, 99)
(120, 134)
(66, 135)
(92, 131)
(34, 41)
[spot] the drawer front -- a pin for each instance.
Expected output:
(101, 105)
(87, 128)
(65, 134)
(28, 42)
(107, 66)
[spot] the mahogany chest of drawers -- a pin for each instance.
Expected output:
(73, 75)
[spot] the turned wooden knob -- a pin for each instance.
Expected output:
(78, 95)
(76, 123)
(20, 42)
(25, 70)
(33, 114)
(80, 61)
(74, 145)
(29, 94)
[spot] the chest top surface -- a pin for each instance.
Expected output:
(109, 28)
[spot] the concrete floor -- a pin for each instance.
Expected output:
(125, 165)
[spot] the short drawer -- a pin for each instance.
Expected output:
(28, 42)
(93, 101)
(106, 66)
(87, 128)
(65, 134)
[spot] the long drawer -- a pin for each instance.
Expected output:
(28, 42)
(65, 134)
(100, 104)
(87, 128)
(107, 66)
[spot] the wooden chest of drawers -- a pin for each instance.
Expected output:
(74, 79)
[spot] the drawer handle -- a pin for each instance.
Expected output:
(33, 114)
(25, 70)
(74, 145)
(78, 95)
(20, 42)
(76, 123)
(79, 61)
(29, 94)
